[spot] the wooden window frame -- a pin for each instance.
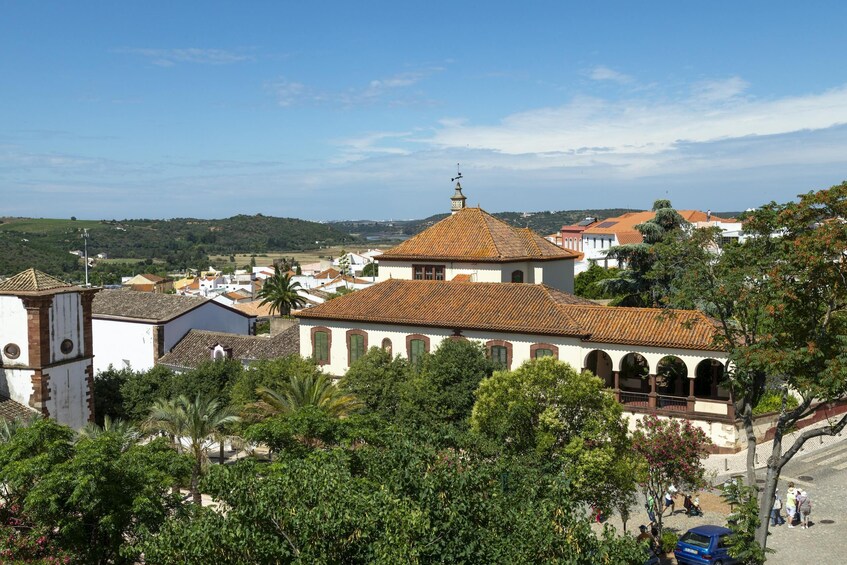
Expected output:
(521, 276)
(536, 346)
(428, 272)
(351, 333)
(328, 333)
(410, 338)
(501, 343)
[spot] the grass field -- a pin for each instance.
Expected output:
(45, 225)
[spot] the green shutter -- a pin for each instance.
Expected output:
(539, 353)
(417, 348)
(321, 346)
(357, 347)
(500, 355)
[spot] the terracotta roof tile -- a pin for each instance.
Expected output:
(627, 222)
(12, 410)
(147, 306)
(330, 273)
(254, 308)
(463, 278)
(525, 308)
(476, 236)
(196, 347)
(499, 306)
(31, 281)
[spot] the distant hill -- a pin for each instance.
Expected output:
(544, 223)
(45, 243)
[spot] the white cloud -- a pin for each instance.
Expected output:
(717, 90)
(605, 73)
(170, 57)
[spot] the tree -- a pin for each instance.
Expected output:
(212, 378)
(585, 283)
(545, 407)
(281, 293)
(270, 373)
(140, 390)
(633, 283)
(371, 270)
(442, 388)
(744, 521)
(377, 380)
(108, 398)
(780, 300)
(672, 450)
(92, 500)
(128, 433)
(316, 390)
(197, 420)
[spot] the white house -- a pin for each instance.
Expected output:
(46, 356)
(134, 329)
(472, 245)
(473, 277)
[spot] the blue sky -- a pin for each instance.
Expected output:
(342, 110)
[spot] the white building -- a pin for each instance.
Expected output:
(46, 356)
(134, 329)
(472, 245)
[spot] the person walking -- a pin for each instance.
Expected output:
(791, 504)
(670, 494)
(804, 507)
(776, 513)
(650, 505)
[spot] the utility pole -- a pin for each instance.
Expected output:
(85, 246)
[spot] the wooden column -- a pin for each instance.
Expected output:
(651, 398)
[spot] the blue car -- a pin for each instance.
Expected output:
(704, 545)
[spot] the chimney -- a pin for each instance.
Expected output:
(457, 201)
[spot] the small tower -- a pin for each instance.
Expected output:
(457, 201)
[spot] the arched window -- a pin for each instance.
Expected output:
(321, 345)
(517, 276)
(357, 345)
(539, 350)
(386, 345)
(417, 346)
(500, 352)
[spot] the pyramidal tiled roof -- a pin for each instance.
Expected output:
(32, 281)
(513, 307)
(474, 235)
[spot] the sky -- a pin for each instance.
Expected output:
(361, 110)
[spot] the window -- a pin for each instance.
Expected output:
(517, 276)
(428, 272)
(500, 352)
(66, 346)
(500, 355)
(12, 350)
(386, 345)
(357, 345)
(321, 345)
(416, 346)
(539, 350)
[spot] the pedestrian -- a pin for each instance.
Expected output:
(650, 505)
(670, 494)
(804, 507)
(776, 513)
(646, 538)
(791, 504)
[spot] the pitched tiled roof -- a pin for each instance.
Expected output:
(11, 410)
(146, 306)
(474, 235)
(254, 308)
(196, 347)
(498, 306)
(626, 223)
(463, 277)
(33, 281)
(523, 308)
(330, 273)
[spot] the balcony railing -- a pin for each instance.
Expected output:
(668, 405)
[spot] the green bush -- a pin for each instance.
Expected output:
(772, 402)
(668, 541)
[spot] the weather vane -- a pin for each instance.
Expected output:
(458, 174)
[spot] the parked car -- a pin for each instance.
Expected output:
(704, 545)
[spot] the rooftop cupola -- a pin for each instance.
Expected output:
(457, 201)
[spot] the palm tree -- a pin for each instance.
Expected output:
(198, 420)
(309, 390)
(127, 431)
(281, 293)
(8, 428)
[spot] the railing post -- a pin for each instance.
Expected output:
(651, 398)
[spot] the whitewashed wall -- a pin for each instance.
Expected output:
(116, 341)
(210, 317)
(68, 404)
(13, 329)
(17, 384)
(66, 322)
